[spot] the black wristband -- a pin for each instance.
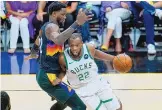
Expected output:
(35, 49)
(74, 25)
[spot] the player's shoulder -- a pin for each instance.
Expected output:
(51, 26)
(90, 46)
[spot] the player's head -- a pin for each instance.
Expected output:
(5, 101)
(57, 10)
(75, 43)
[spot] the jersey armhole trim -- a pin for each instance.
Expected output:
(89, 52)
(66, 61)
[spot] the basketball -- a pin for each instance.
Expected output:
(122, 63)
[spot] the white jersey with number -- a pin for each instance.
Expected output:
(81, 71)
(83, 76)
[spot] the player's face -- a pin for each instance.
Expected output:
(61, 16)
(76, 46)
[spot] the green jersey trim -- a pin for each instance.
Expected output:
(66, 62)
(89, 52)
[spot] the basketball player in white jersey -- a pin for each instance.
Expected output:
(82, 74)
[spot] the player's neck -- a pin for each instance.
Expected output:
(53, 20)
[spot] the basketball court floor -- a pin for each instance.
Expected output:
(141, 89)
(136, 91)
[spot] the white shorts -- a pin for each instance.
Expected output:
(98, 95)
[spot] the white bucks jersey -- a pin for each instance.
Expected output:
(81, 71)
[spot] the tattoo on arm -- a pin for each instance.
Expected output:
(53, 34)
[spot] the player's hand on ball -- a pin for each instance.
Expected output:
(31, 56)
(82, 17)
(56, 81)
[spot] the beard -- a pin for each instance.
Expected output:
(75, 54)
(61, 23)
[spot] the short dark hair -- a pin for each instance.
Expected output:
(55, 6)
(5, 101)
(74, 36)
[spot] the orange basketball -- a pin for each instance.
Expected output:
(122, 63)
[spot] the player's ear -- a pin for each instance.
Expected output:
(81, 42)
(54, 13)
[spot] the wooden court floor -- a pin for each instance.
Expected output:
(136, 91)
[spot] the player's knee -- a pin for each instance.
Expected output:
(58, 106)
(79, 106)
(82, 107)
(75, 103)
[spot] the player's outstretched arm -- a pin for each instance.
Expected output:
(103, 56)
(99, 54)
(60, 38)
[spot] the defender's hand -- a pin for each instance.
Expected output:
(82, 17)
(56, 81)
(34, 56)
